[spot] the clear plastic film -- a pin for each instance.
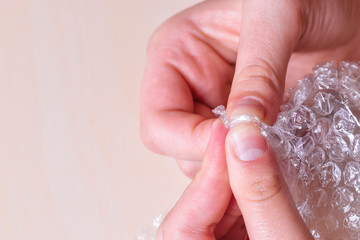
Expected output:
(317, 140)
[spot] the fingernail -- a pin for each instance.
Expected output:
(249, 106)
(247, 142)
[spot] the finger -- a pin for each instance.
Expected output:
(204, 202)
(259, 188)
(180, 88)
(170, 122)
(189, 70)
(189, 167)
(269, 33)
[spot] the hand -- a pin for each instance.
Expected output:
(237, 53)
(206, 209)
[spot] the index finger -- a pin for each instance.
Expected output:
(188, 72)
(205, 200)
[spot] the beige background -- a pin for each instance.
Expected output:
(72, 165)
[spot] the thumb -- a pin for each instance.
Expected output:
(268, 35)
(259, 188)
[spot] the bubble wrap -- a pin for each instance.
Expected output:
(317, 139)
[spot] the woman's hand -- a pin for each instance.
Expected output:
(207, 210)
(237, 53)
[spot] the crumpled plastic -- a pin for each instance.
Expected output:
(317, 140)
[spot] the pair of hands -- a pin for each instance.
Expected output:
(241, 54)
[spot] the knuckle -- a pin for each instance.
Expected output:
(262, 72)
(260, 81)
(257, 78)
(165, 36)
(154, 38)
(264, 187)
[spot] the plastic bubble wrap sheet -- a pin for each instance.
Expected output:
(317, 139)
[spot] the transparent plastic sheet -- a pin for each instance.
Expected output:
(317, 140)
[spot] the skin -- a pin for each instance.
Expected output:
(222, 51)
(242, 54)
(207, 210)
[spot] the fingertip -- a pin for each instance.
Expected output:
(216, 146)
(217, 124)
(217, 136)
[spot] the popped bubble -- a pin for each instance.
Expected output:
(317, 141)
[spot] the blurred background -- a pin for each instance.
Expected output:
(72, 165)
